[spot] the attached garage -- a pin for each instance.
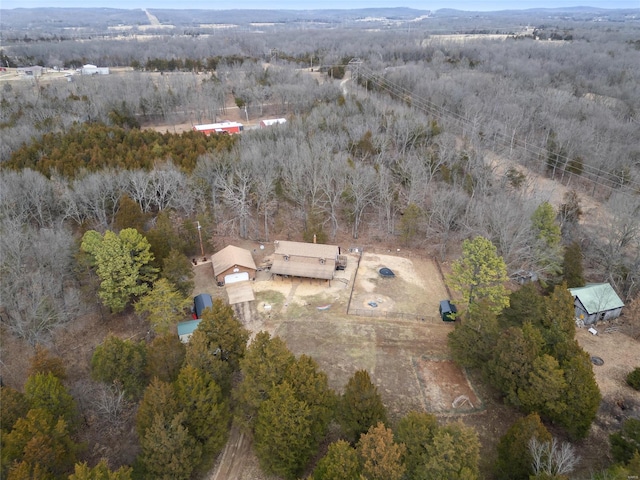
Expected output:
(236, 277)
(233, 264)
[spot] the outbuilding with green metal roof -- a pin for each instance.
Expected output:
(596, 302)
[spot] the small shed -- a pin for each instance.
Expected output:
(596, 302)
(308, 260)
(233, 264)
(186, 329)
(200, 303)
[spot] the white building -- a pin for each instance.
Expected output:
(89, 69)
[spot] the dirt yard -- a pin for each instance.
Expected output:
(403, 347)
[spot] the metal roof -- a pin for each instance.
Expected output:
(230, 256)
(302, 269)
(597, 297)
(303, 249)
(188, 327)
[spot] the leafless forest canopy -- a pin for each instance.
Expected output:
(457, 115)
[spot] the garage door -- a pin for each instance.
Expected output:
(236, 277)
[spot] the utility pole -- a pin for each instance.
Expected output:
(200, 237)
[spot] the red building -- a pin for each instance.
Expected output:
(225, 128)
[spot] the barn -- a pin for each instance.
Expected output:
(596, 302)
(224, 128)
(233, 264)
(307, 260)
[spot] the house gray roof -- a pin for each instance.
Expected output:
(302, 249)
(230, 256)
(597, 297)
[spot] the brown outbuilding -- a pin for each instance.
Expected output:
(233, 264)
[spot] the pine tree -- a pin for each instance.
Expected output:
(45, 391)
(284, 441)
(165, 356)
(454, 454)
(42, 442)
(121, 361)
(159, 399)
(13, 406)
(480, 274)
(101, 471)
(224, 332)
(163, 306)
(169, 452)
(380, 456)
(416, 430)
(43, 362)
(123, 264)
(312, 387)
(207, 414)
(360, 407)
(514, 457)
(573, 270)
(264, 366)
(177, 268)
(340, 463)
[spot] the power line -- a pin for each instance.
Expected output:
(533, 152)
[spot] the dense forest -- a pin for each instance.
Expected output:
(393, 136)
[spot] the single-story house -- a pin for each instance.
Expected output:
(596, 302)
(308, 260)
(233, 264)
(186, 329)
(32, 71)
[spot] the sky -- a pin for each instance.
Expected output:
(483, 5)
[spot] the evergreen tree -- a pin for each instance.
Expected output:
(525, 305)
(340, 463)
(416, 431)
(130, 215)
(512, 361)
(473, 340)
(165, 356)
(45, 391)
(284, 441)
(311, 386)
(42, 441)
(207, 414)
(545, 388)
(360, 406)
(626, 443)
(224, 333)
(201, 355)
(13, 406)
(410, 223)
(572, 268)
(163, 306)
(123, 264)
(169, 452)
(121, 361)
(454, 454)
(480, 274)
(177, 268)
(264, 366)
(380, 456)
(514, 457)
(159, 399)
(581, 397)
(559, 327)
(100, 472)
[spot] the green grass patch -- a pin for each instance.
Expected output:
(271, 297)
